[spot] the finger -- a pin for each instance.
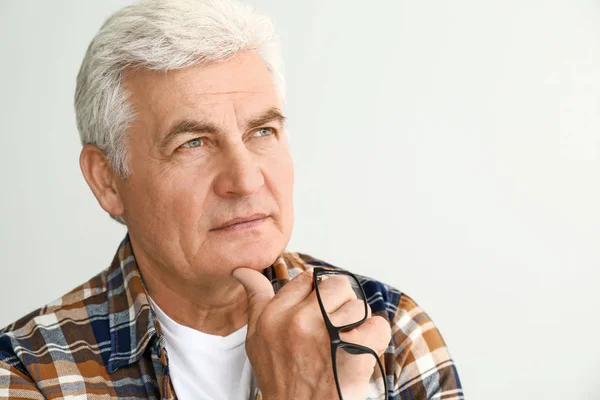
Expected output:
(354, 370)
(259, 291)
(295, 291)
(374, 333)
(335, 291)
(351, 312)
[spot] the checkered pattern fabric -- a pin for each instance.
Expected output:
(101, 340)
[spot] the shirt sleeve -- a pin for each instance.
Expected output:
(15, 384)
(425, 369)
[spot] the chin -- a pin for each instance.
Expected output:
(257, 255)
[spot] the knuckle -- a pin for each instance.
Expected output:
(381, 325)
(300, 334)
(347, 291)
(338, 286)
(265, 324)
(305, 276)
(375, 333)
(339, 282)
(383, 332)
(299, 325)
(358, 304)
(355, 311)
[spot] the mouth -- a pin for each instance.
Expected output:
(242, 223)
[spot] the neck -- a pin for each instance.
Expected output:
(212, 305)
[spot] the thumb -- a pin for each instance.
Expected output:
(259, 291)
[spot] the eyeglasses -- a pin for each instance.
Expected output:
(349, 359)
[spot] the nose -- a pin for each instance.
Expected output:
(240, 174)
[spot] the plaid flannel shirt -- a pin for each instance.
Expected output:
(101, 340)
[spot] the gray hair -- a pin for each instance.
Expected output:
(161, 35)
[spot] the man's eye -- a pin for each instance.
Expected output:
(263, 132)
(193, 143)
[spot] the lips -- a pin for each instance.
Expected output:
(238, 221)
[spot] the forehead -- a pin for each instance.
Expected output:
(242, 83)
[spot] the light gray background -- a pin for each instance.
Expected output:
(450, 148)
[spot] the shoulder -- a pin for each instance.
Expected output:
(417, 359)
(47, 333)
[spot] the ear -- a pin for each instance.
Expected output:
(101, 178)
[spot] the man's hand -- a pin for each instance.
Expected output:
(288, 344)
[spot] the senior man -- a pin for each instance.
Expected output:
(179, 105)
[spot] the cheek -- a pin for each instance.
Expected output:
(282, 181)
(171, 200)
(185, 194)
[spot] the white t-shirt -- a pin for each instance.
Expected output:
(206, 367)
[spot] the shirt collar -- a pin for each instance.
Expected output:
(132, 322)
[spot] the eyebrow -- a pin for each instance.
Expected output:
(270, 115)
(187, 125)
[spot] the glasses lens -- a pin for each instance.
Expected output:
(335, 291)
(353, 370)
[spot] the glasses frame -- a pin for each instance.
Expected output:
(334, 331)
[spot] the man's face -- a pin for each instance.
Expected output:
(207, 147)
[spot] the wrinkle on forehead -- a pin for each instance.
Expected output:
(233, 92)
(217, 98)
(202, 92)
